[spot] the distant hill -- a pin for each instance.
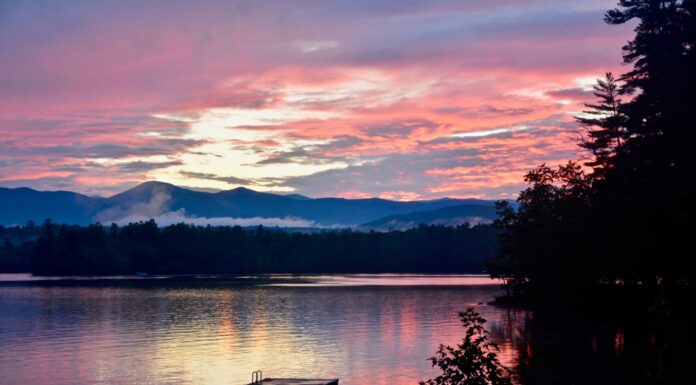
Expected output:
(155, 199)
(448, 216)
(298, 197)
(19, 205)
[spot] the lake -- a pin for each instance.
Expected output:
(363, 329)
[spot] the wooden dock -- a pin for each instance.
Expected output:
(296, 381)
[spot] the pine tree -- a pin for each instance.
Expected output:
(632, 224)
(604, 124)
(660, 116)
(657, 165)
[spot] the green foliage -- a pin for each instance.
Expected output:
(474, 361)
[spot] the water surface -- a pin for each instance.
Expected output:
(361, 329)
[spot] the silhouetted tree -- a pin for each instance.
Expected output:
(539, 251)
(7, 245)
(628, 223)
(604, 124)
(188, 249)
(661, 53)
(649, 194)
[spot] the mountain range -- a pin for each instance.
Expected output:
(167, 203)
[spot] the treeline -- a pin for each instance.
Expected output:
(621, 220)
(15, 247)
(187, 249)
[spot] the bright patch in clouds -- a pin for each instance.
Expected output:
(308, 46)
(480, 134)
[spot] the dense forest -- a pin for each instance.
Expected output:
(621, 219)
(15, 247)
(187, 249)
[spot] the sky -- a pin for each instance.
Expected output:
(398, 99)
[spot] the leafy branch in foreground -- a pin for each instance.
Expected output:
(474, 361)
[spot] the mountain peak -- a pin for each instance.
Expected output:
(238, 191)
(298, 197)
(243, 189)
(154, 184)
(148, 188)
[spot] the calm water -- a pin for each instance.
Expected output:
(361, 329)
(219, 334)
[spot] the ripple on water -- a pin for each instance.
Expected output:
(364, 328)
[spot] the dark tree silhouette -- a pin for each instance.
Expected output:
(604, 124)
(534, 251)
(661, 53)
(655, 175)
(186, 249)
(626, 224)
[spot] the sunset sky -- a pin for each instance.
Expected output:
(398, 99)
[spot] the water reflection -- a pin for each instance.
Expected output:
(176, 333)
(558, 347)
(73, 334)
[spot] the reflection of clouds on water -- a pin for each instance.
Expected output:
(212, 332)
(217, 334)
(507, 330)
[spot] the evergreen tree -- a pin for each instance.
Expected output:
(631, 220)
(604, 124)
(661, 119)
(657, 165)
